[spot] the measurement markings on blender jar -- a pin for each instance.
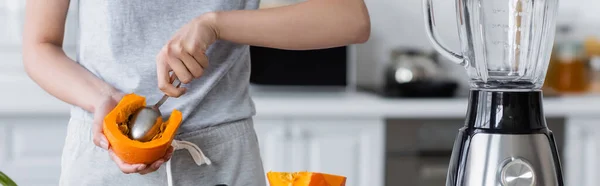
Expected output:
(495, 11)
(505, 45)
(503, 26)
(505, 29)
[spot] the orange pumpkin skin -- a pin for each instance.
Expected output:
(131, 151)
(305, 179)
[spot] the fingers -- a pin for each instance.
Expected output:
(185, 59)
(179, 68)
(187, 63)
(152, 167)
(140, 168)
(168, 154)
(126, 168)
(192, 66)
(156, 165)
(182, 63)
(98, 136)
(199, 56)
(164, 78)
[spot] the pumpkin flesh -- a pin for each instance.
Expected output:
(305, 179)
(132, 151)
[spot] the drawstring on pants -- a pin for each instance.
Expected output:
(195, 152)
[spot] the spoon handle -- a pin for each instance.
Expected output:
(164, 98)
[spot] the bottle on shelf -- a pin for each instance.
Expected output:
(592, 51)
(568, 70)
(571, 71)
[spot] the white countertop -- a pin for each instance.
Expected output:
(367, 104)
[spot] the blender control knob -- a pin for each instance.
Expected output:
(517, 173)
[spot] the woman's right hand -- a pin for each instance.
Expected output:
(100, 111)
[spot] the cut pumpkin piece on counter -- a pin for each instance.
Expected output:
(304, 178)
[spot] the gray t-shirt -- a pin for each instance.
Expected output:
(119, 40)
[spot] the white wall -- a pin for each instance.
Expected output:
(583, 14)
(400, 23)
(12, 17)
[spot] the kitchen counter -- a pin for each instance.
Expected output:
(372, 105)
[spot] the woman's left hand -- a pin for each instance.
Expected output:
(185, 54)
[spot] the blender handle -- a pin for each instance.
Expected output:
(433, 36)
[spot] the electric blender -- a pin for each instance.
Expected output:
(506, 46)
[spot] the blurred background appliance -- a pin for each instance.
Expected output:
(276, 67)
(298, 70)
(413, 73)
(416, 73)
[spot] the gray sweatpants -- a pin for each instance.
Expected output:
(232, 148)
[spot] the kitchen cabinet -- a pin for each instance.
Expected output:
(271, 134)
(350, 147)
(31, 147)
(582, 149)
(314, 132)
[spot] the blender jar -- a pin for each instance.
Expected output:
(506, 44)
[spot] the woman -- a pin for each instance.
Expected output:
(132, 47)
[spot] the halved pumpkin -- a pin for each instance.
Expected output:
(132, 151)
(304, 179)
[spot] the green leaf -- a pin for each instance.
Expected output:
(5, 180)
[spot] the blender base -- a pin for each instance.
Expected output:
(505, 142)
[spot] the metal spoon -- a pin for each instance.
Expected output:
(143, 125)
